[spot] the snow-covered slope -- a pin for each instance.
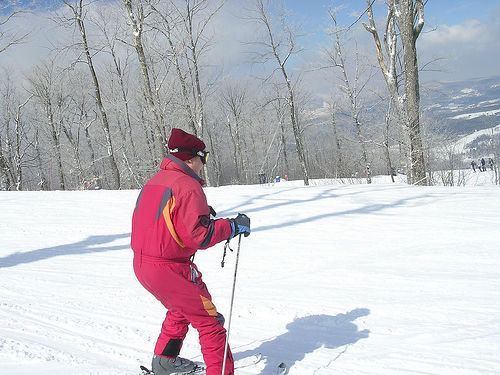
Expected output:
(462, 107)
(477, 144)
(335, 279)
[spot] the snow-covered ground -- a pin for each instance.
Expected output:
(464, 141)
(469, 116)
(334, 279)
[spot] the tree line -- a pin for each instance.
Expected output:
(98, 111)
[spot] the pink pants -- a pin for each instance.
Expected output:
(179, 287)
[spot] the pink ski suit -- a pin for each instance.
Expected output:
(171, 221)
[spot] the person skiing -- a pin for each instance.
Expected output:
(491, 163)
(473, 165)
(483, 165)
(170, 223)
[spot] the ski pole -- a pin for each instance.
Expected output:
(231, 307)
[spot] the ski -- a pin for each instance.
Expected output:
(200, 370)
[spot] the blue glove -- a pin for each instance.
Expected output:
(240, 224)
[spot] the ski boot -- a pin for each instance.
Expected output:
(171, 366)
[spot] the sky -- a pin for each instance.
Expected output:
(459, 41)
(462, 34)
(461, 37)
(442, 11)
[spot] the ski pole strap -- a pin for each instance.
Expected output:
(226, 246)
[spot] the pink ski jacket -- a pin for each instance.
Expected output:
(171, 219)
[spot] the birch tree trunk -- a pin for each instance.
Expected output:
(96, 177)
(406, 14)
(56, 143)
(236, 163)
(43, 181)
(5, 172)
(280, 110)
(494, 152)
(19, 149)
(75, 148)
(386, 141)
(137, 26)
(405, 18)
(339, 160)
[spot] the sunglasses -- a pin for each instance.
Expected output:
(202, 154)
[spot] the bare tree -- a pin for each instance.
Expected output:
(280, 50)
(120, 66)
(10, 35)
(42, 87)
(386, 143)
(197, 43)
(353, 88)
(405, 20)
(15, 141)
(78, 18)
(167, 27)
(494, 149)
(20, 146)
(111, 32)
(185, 28)
(339, 162)
(6, 171)
(233, 100)
(137, 17)
(43, 183)
(279, 106)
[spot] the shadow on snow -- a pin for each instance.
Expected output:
(307, 334)
(331, 193)
(88, 245)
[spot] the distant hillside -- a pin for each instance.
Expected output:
(462, 107)
(478, 144)
(466, 113)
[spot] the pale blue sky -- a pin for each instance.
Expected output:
(442, 11)
(462, 34)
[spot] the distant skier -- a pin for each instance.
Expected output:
(473, 165)
(171, 221)
(491, 163)
(483, 165)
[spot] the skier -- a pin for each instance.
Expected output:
(491, 163)
(171, 221)
(473, 165)
(483, 165)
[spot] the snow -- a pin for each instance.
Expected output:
(488, 102)
(460, 144)
(469, 116)
(334, 279)
(466, 93)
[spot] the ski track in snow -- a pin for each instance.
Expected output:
(334, 279)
